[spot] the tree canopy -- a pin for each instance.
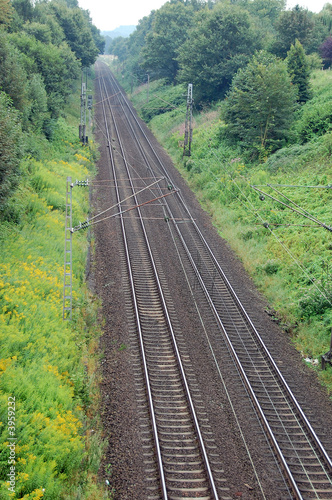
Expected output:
(220, 43)
(295, 24)
(43, 47)
(206, 42)
(260, 105)
(169, 31)
(10, 151)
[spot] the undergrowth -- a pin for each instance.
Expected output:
(48, 365)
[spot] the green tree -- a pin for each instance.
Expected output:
(136, 44)
(76, 28)
(13, 77)
(291, 25)
(119, 47)
(37, 110)
(264, 9)
(6, 12)
(24, 9)
(260, 105)
(44, 14)
(325, 16)
(98, 38)
(221, 42)
(298, 70)
(40, 31)
(264, 14)
(169, 31)
(10, 153)
(58, 67)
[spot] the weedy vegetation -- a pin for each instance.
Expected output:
(49, 365)
(287, 255)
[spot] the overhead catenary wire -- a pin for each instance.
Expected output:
(286, 224)
(88, 223)
(131, 166)
(296, 261)
(291, 201)
(294, 186)
(304, 213)
(256, 213)
(125, 199)
(106, 98)
(156, 96)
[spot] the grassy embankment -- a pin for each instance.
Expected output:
(289, 261)
(48, 365)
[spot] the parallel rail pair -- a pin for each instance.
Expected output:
(302, 458)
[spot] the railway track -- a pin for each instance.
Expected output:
(186, 466)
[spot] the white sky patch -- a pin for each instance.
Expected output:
(110, 14)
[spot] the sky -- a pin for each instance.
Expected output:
(110, 14)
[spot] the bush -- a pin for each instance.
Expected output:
(316, 119)
(315, 304)
(271, 267)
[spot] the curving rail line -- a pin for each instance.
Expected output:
(302, 458)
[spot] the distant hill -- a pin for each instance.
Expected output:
(124, 31)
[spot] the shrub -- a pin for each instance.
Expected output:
(271, 267)
(315, 304)
(316, 119)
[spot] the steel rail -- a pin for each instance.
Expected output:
(280, 376)
(178, 356)
(146, 373)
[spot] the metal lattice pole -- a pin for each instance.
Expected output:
(68, 263)
(188, 132)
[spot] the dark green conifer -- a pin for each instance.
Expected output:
(298, 70)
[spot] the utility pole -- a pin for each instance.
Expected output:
(188, 132)
(90, 99)
(82, 127)
(68, 258)
(68, 263)
(147, 97)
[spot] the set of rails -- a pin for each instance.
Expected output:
(187, 465)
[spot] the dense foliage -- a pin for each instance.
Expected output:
(213, 45)
(43, 47)
(169, 31)
(206, 42)
(44, 363)
(298, 69)
(10, 139)
(219, 44)
(259, 107)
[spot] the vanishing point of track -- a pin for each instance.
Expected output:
(184, 463)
